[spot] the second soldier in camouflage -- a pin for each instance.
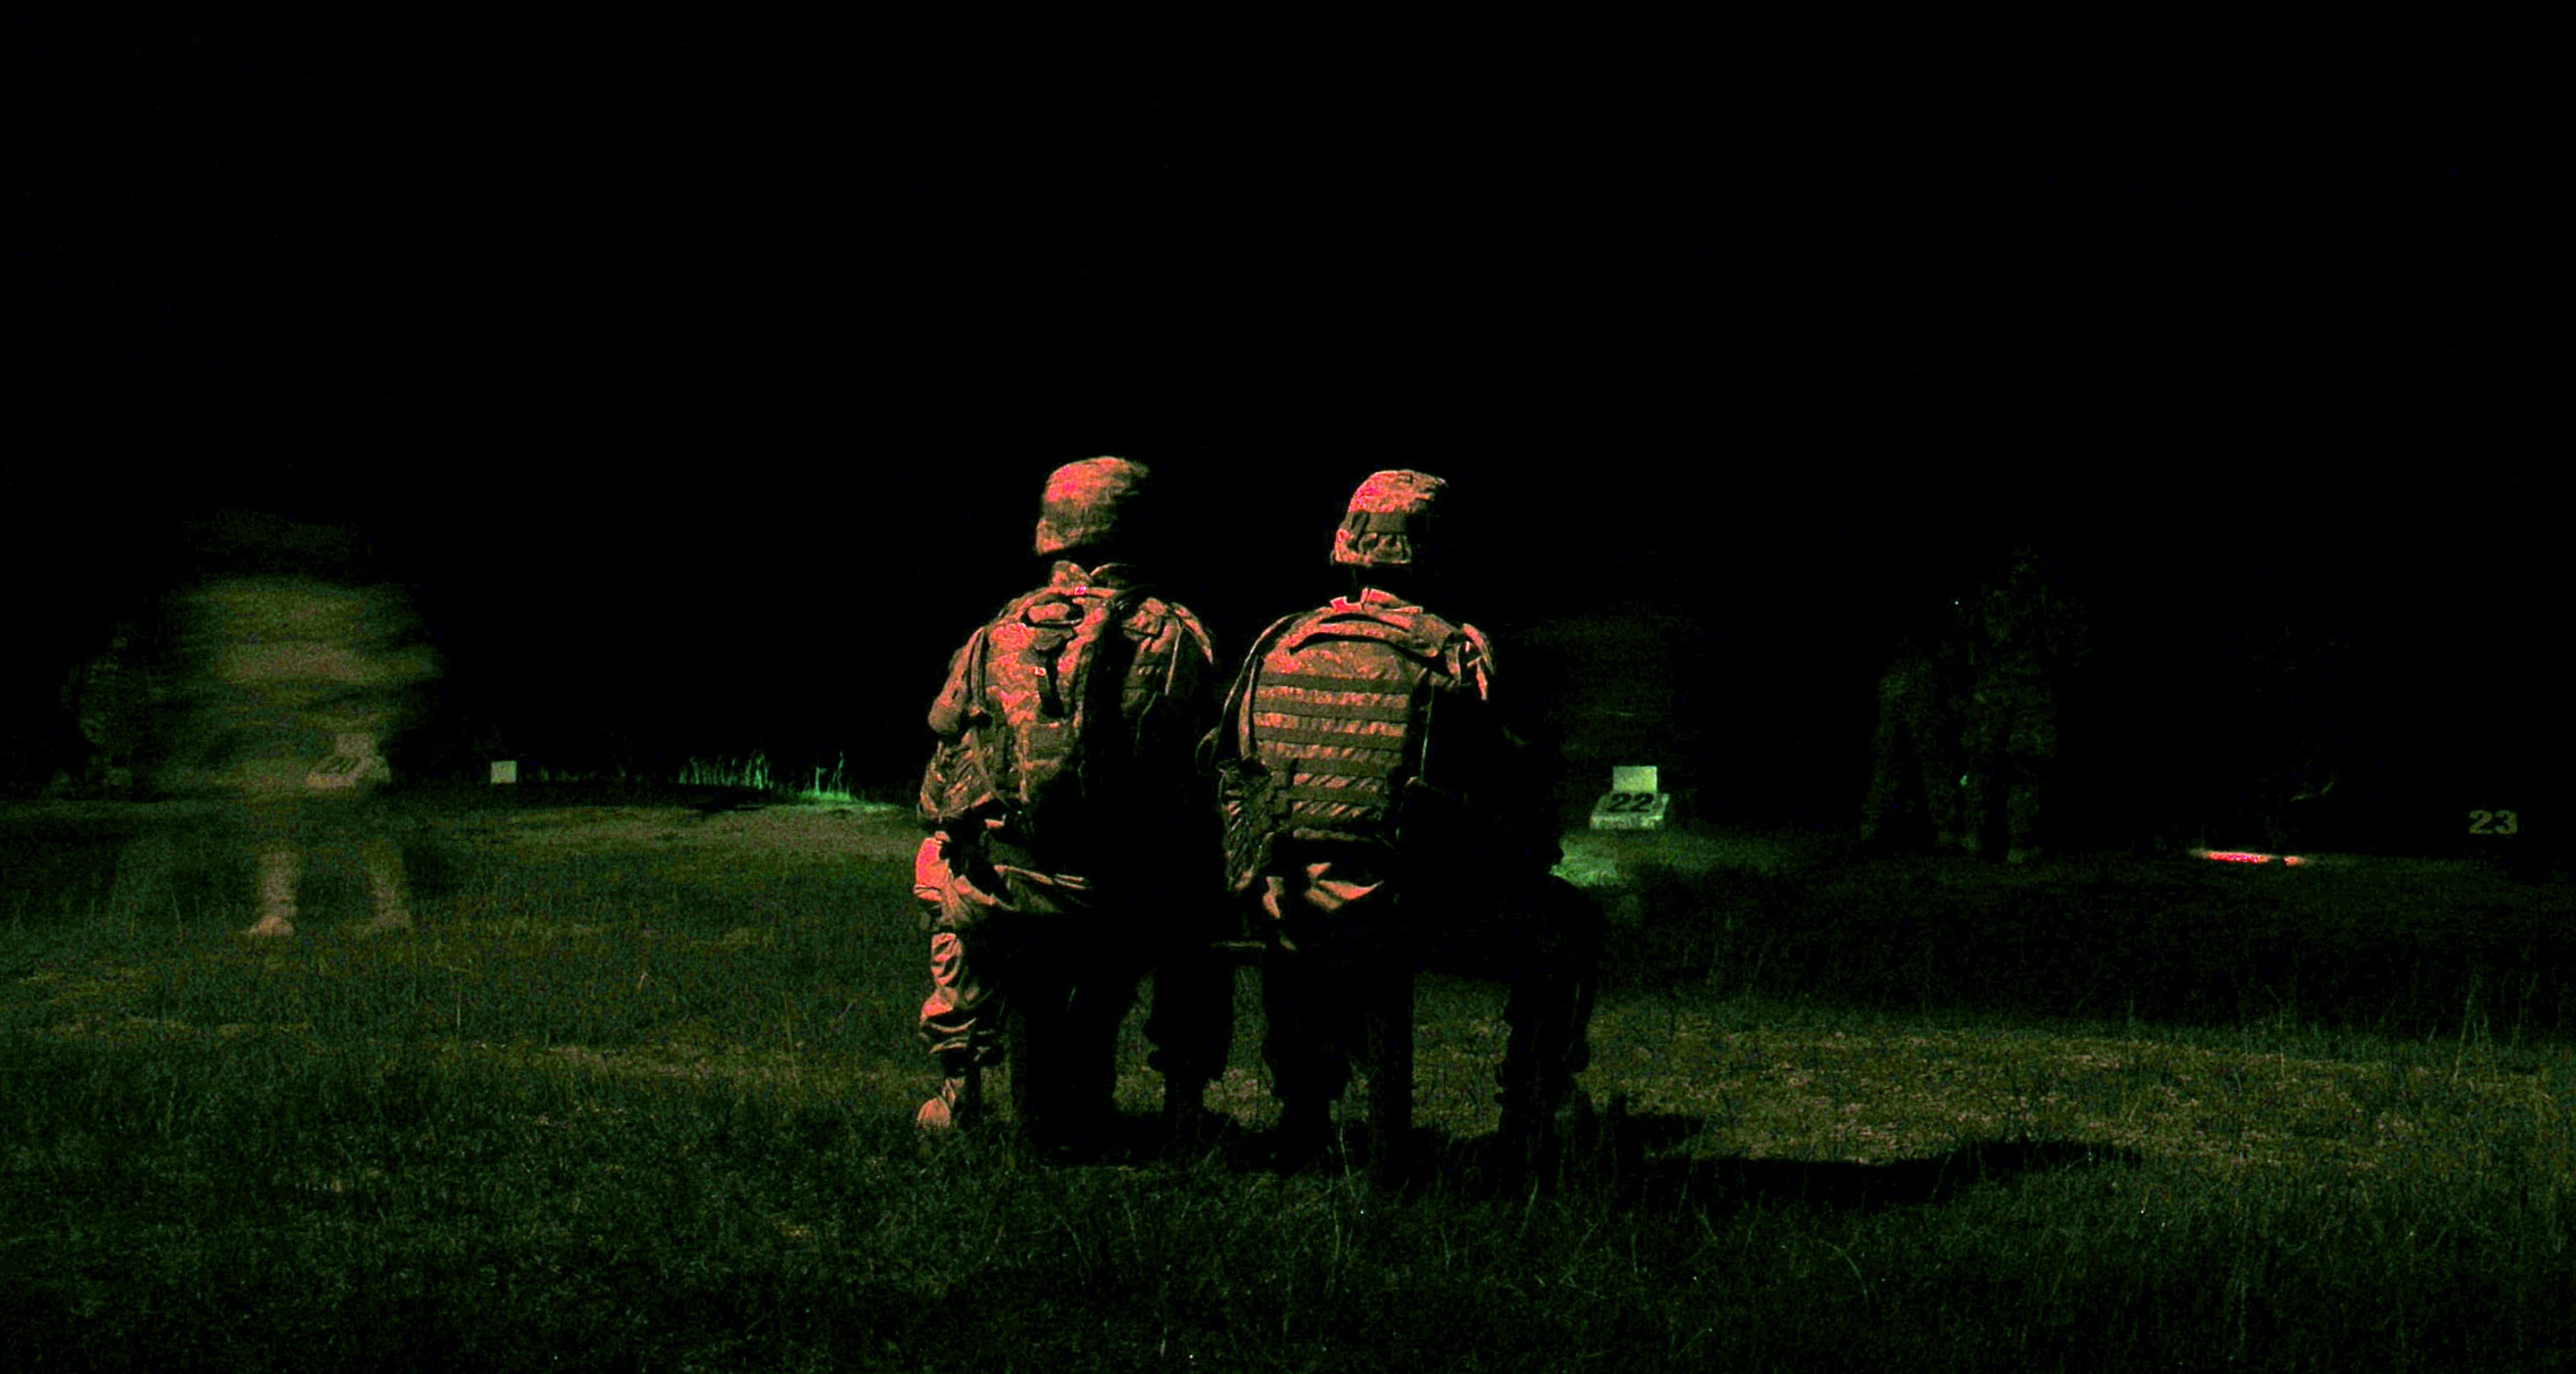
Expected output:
(1379, 819)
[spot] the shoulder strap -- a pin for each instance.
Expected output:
(961, 698)
(1419, 633)
(1190, 626)
(1226, 740)
(1095, 693)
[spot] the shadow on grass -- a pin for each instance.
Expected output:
(1619, 1160)
(1619, 1164)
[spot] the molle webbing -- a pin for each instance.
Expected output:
(1341, 742)
(1055, 669)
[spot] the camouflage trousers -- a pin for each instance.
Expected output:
(2012, 749)
(1343, 943)
(1068, 960)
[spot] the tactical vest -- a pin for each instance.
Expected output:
(1047, 750)
(1329, 728)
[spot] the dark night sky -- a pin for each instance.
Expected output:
(705, 380)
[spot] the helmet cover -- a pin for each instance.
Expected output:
(1389, 521)
(1090, 502)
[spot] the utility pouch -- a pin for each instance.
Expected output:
(956, 789)
(1247, 795)
(948, 897)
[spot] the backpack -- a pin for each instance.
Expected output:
(1327, 735)
(1043, 741)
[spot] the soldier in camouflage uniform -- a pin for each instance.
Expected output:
(1916, 759)
(2024, 637)
(1382, 820)
(1073, 844)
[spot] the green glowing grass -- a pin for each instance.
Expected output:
(635, 1094)
(754, 772)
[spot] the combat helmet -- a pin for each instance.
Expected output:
(1389, 523)
(1094, 502)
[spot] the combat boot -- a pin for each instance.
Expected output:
(1546, 1135)
(960, 1104)
(1524, 1150)
(1304, 1134)
(1188, 1126)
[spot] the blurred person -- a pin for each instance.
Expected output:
(2025, 634)
(1916, 755)
(1381, 819)
(2295, 676)
(106, 701)
(292, 665)
(1072, 844)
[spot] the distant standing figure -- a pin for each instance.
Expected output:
(2296, 713)
(1382, 819)
(1916, 758)
(1072, 843)
(2025, 636)
(107, 702)
(295, 670)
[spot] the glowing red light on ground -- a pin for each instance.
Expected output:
(2246, 856)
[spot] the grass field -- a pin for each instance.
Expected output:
(635, 1094)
